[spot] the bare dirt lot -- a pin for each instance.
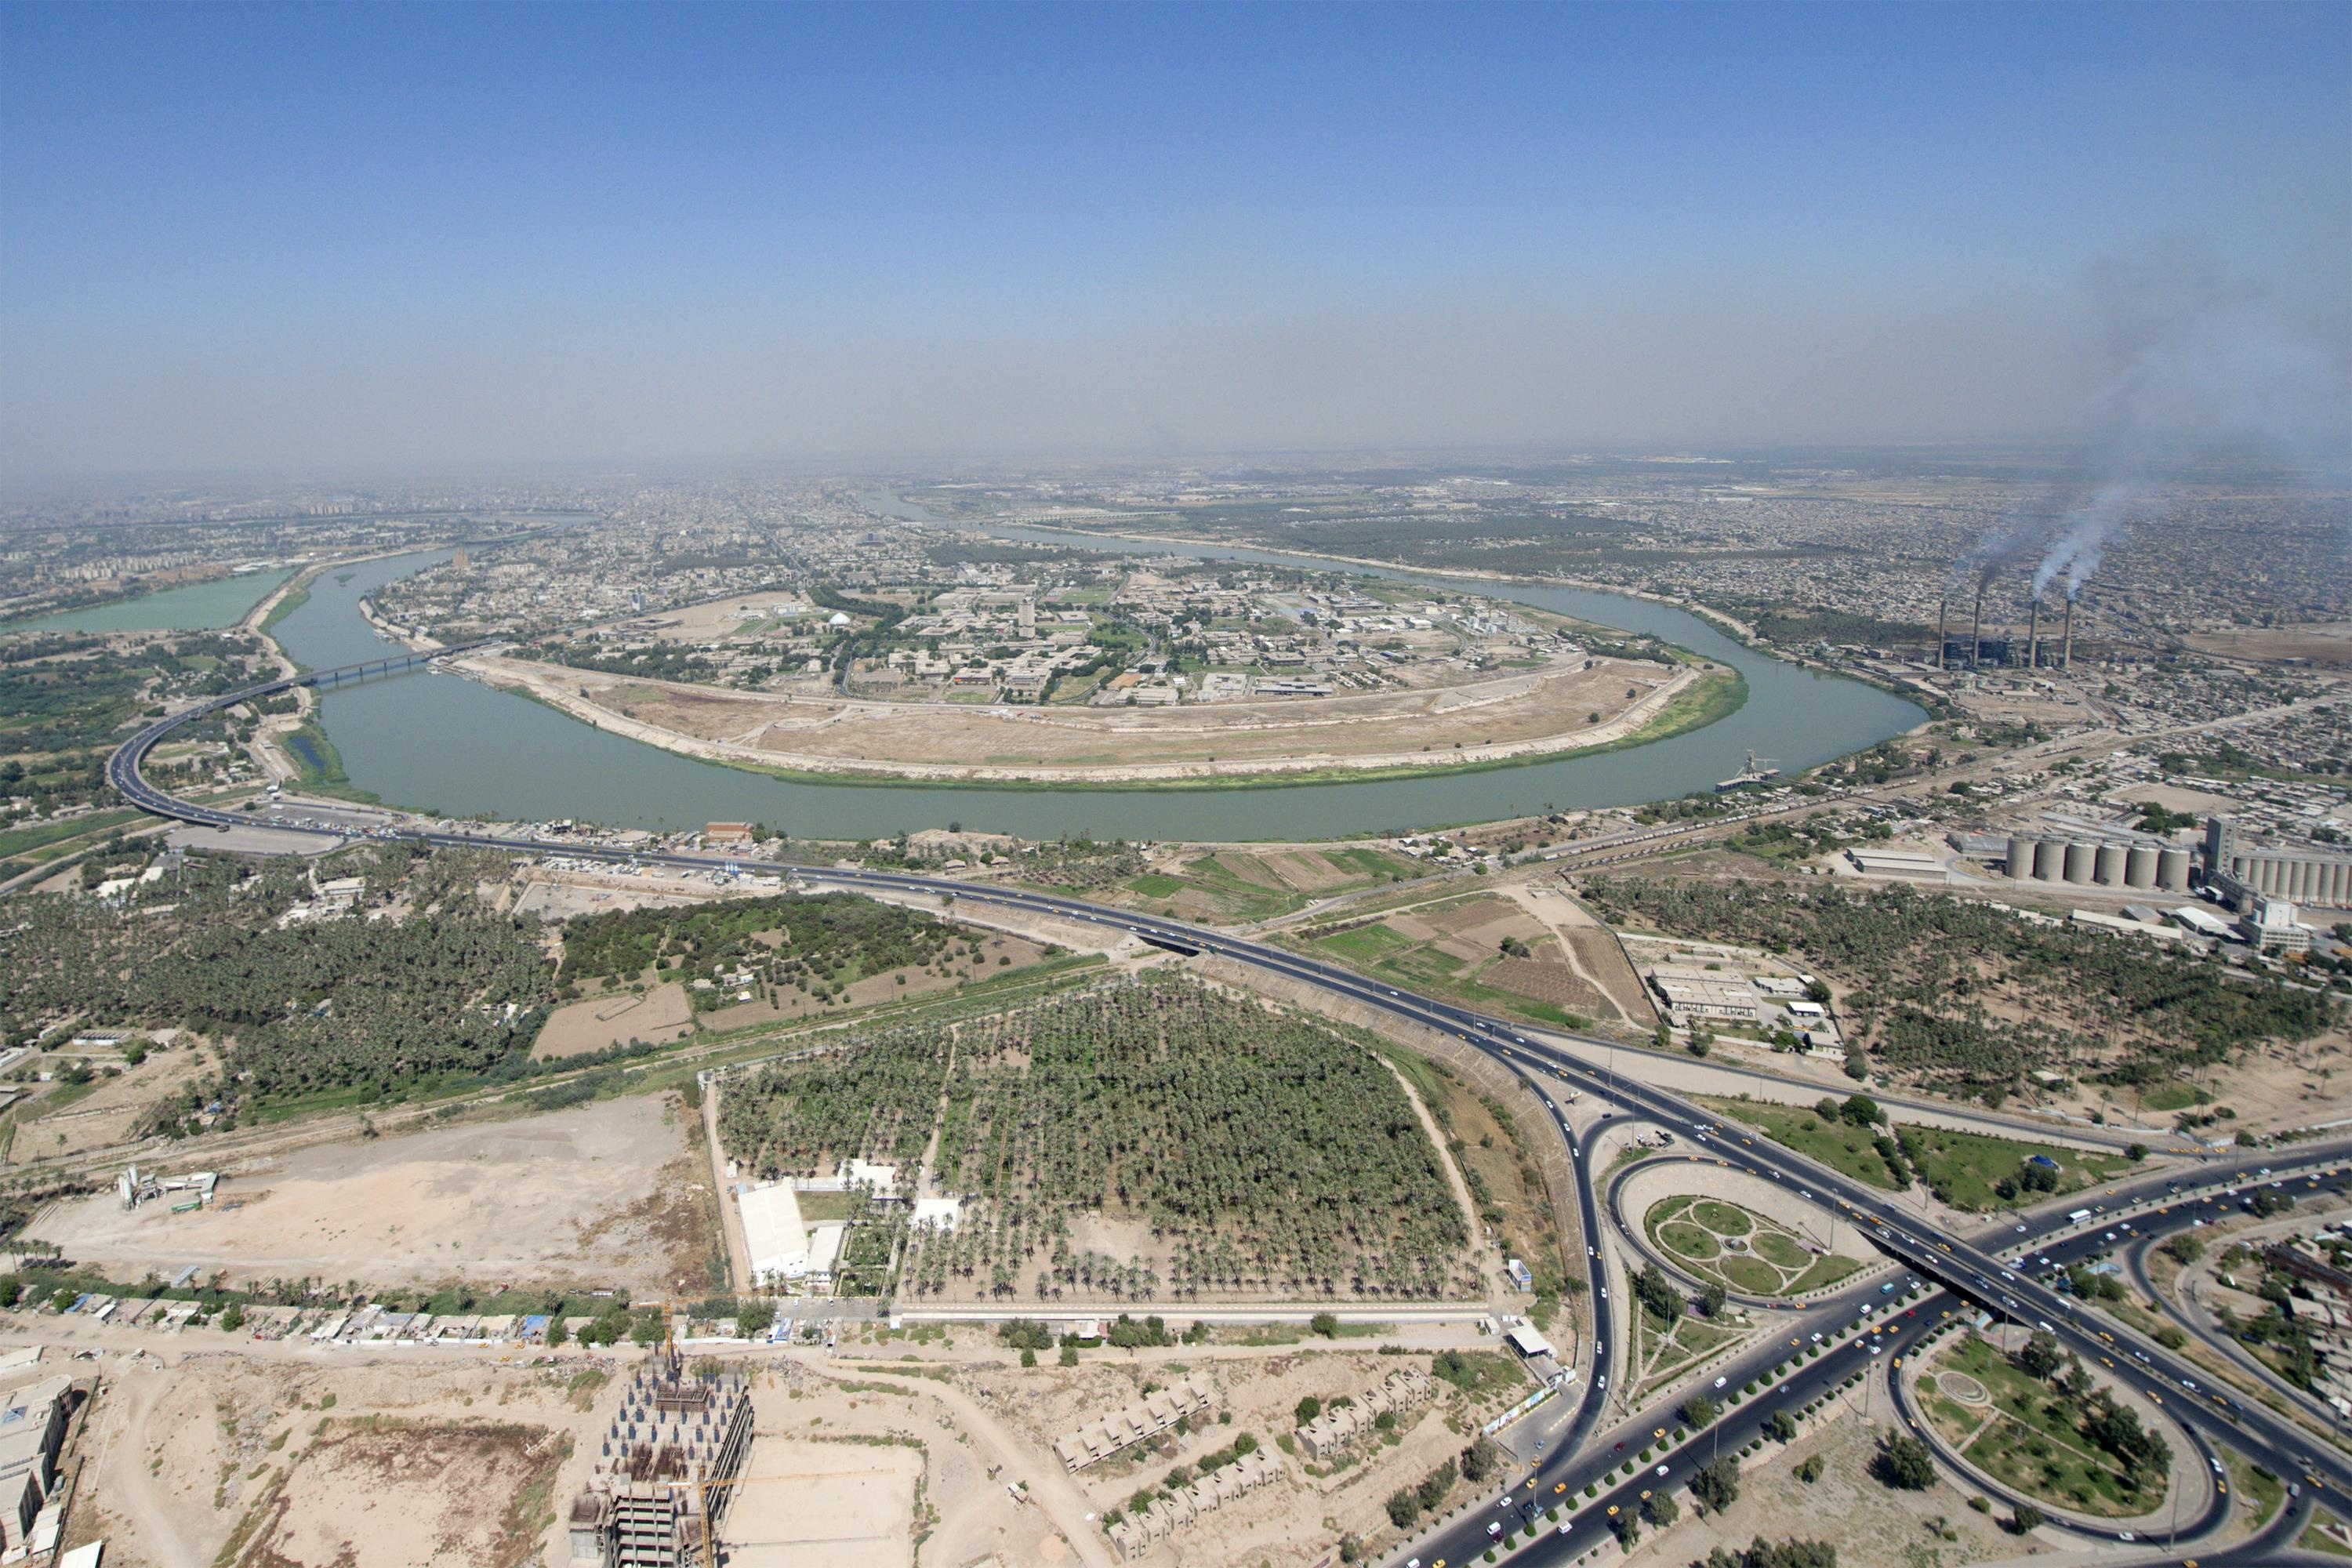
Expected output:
(823, 1505)
(604, 1189)
(658, 1016)
(1523, 713)
(402, 1495)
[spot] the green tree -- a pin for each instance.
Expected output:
(1782, 1427)
(2027, 1518)
(1716, 1485)
(1325, 1324)
(1660, 1508)
(1862, 1111)
(1308, 1408)
(1699, 1412)
(1480, 1460)
(1405, 1508)
(1906, 1464)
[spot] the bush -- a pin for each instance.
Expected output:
(1810, 1470)
(1782, 1427)
(1325, 1324)
(1480, 1460)
(2027, 1518)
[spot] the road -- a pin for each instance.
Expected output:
(1957, 1263)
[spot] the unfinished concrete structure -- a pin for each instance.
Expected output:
(1344, 1425)
(666, 1469)
(1140, 1534)
(1139, 1422)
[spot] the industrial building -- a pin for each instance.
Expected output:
(2268, 926)
(661, 1482)
(2107, 860)
(1699, 994)
(2240, 871)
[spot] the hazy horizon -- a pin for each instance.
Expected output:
(298, 241)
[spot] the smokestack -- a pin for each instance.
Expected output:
(1943, 603)
(2033, 636)
(2067, 648)
(1976, 629)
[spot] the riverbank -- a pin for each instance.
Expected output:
(1697, 694)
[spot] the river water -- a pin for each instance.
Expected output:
(450, 746)
(194, 608)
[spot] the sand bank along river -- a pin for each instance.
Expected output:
(451, 746)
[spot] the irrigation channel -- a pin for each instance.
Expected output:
(452, 747)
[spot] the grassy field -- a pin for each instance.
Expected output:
(1744, 1252)
(1426, 965)
(40, 835)
(2029, 1439)
(1960, 1167)
(1239, 885)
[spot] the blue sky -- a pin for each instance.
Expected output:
(343, 234)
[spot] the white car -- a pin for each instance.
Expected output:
(1721, 1381)
(1495, 1528)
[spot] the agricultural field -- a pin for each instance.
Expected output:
(1963, 999)
(1747, 1253)
(1964, 1170)
(1145, 1139)
(2055, 1437)
(1482, 949)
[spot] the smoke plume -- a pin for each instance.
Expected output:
(2203, 363)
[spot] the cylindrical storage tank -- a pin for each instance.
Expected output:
(2049, 859)
(2108, 866)
(2079, 858)
(2020, 856)
(2139, 867)
(2267, 870)
(2298, 880)
(2172, 870)
(2340, 883)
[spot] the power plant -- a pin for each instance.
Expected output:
(2000, 649)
